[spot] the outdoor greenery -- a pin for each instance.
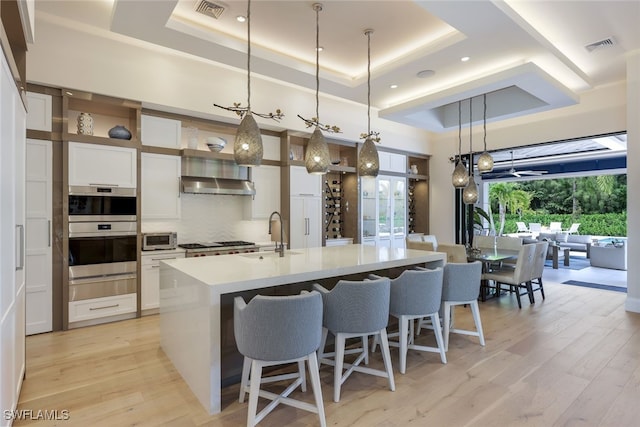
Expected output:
(598, 203)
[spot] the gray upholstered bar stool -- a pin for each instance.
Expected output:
(355, 309)
(415, 294)
(273, 331)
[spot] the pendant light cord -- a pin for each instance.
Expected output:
(248, 56)
(369, 81)
(460, 131)
(484, 125)
(317, 7)
(470, 137)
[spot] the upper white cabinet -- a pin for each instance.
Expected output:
(304, 183)
(39, 111)
(160, 132)
(392, 162)
(266, 180)
(102, 165)
(160, 186)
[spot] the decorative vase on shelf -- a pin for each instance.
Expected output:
(119, 132)
(85, 124)
(414, 169)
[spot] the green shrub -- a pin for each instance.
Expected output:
(609, 224)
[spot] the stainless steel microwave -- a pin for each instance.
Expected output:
(155, 241)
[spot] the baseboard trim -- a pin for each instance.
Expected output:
(632, 304)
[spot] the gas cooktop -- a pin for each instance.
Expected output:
(215, 244)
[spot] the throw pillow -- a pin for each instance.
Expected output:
(562, 237)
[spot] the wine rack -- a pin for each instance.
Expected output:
(333, 207)
(411, 206)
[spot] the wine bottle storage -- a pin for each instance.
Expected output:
(333, 207)
(411, 206)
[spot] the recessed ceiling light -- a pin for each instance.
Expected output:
(320, 48)
(425, 73)
(393, 86)
(241, 18)
(69, 93)
(465, 59)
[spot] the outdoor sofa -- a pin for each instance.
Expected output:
(574, 242)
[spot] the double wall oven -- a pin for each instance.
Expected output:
(102, 242)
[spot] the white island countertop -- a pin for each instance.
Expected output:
(191, 291)
(257, 270)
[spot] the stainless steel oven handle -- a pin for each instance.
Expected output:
(103, 278)
(92, 184)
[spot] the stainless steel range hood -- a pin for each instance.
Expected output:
(213, 176)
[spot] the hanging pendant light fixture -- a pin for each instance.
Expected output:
(485, 161)
(316, 157)
(460, 177)
(470, 193)
(368, 159)
(247, 148)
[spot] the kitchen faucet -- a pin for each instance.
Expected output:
(281, 250)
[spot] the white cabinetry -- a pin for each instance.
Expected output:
(39, 287)
(160, 132)
(150, 298)
(102, 165)
(39, 117)
(266, 180)
(160, 186)
(304, 183)
(97, 308)
(392, 162)
(306, 227)
(12, 230)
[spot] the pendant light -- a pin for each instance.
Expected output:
(368, 160)
(485, 161)
(470, 193)
(460, 177)
(316, 157)
(247, 147)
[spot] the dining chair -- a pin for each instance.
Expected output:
(455, 253)
(415, 294)
(431, 238)
(420, 245)
(538, 268)
(355, 309)
(277, 330)
(510, 244)
(516, 278)
(484, 242)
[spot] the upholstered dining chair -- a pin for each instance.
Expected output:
(455, 253)
(276, 330)
(538, 268)
(516, 278)
(420, 245)
(355, 309)
(415, 294)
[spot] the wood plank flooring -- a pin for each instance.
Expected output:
(572, 360)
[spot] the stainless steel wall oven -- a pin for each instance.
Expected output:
(103, 240)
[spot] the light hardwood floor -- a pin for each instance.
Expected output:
(571, 360)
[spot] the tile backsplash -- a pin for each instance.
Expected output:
(210, 218)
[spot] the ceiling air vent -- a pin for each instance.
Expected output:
(210, 9)
(610, 42)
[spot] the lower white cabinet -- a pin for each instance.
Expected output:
(150, 298)
(305, 222)
(160, 186)
(266, 180)
(96, 308)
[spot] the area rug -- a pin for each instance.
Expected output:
(575, 263)
(595, 285)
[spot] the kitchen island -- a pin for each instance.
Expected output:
(195, 327)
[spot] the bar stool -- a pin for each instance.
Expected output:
(415, 294)
(355, 309)
(273, 331)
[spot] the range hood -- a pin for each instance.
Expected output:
(213, 176)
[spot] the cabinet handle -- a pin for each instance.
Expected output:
(162, 259)
(49, 232)
(155, 266)
(102, 308)
(93, 184)
(20, 245)
(179, 185)
(306, 194)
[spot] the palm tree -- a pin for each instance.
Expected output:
(508, 195)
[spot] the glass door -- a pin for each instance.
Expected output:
(385, 211)
(369, 211)
(399, 216)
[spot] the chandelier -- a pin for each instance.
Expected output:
(485, 161)
(368, 160)
(460, 177)
(470, 193)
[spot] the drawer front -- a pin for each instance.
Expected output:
(154, 259)
(101, 307)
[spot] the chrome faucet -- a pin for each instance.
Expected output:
(281, 250)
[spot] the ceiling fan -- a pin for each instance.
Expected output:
(516, 173)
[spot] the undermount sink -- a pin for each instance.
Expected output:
(262, 255)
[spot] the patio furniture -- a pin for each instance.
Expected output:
(522, 227)
(535, 228)
(555, 227)
(555, 252)
(574, 228)
(609, 256)
(575, 242)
